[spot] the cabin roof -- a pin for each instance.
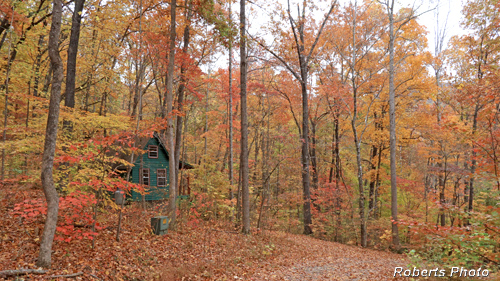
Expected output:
(182, 165)
(141, 142)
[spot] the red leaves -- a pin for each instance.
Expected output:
(30, 209)
(73, 210)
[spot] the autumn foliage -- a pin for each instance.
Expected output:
(447, 108)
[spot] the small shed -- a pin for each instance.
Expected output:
(151, 169)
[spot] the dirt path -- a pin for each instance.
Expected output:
(321, 260)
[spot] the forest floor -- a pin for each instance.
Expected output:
(196, 250)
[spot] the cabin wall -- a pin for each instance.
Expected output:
(155, 193)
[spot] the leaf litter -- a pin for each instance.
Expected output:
(208, 250)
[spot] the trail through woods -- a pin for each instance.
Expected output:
(323, 260)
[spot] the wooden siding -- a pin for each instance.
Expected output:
(155, 193)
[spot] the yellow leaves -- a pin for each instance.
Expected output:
(387, 235)
(87, 121)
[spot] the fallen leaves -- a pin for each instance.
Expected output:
(210, 250)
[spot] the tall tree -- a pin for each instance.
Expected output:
(45, 254)
(392, 129)
(395, 25)
(6, 105)
(230, 109)
(482, 55)
(355, 77)
(170, 119)
(440, 36)
(244, 122)
(363, 29)
(302, 75)
(74, 38)
(181, 89)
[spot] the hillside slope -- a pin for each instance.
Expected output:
(196, 250)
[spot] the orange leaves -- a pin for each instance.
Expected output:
(74, 211)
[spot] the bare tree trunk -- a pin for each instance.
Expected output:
(244, 122)
(4, 25)
(230, 117)
(442, 201)
(392, 129)
(45, 254)
(140, 69)
(170, 119)
(265, 166)
(359, 166)
(69, 96)
(6, 109)
(206, 120)
(255, 142)
(373, 181)
(332, 163)
(314, 161)
(230, 111)
(377, 184)
(38, 64)
(473, 162)
(238, 198)
(306, 181)
(337, 177)
(180, 94)
(69, 99)
(357, 138)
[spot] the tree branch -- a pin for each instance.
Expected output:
(319, 32)
(18, 272)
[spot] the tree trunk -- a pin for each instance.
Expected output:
(337, 177)
(256, 154)
(170, 119)
(306, 181)
(69, 99)
(230, 111)
(38, 64)
(304, 59)
(265, 166)
(473, 162)
(140, 69)
(361, 190)
(305, 159)
(377, 185)
(244, 122)
(4, 25)
(230, 117)
(314, 161)
(442, 201)
(45, 254)
(6, 105)
(373, 180)
(392, 129)
(205, 129)
(357, 139)
(180, 95)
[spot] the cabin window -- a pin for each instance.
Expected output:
(144, 176)
(153, 151)
(161, 177)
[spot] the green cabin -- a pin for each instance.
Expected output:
(151, 169)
